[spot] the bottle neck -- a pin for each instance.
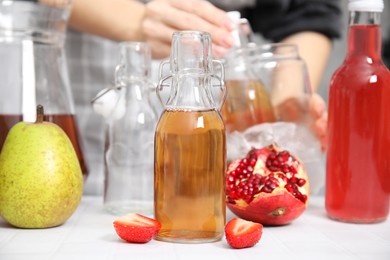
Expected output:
(191, 67)
(364, 35)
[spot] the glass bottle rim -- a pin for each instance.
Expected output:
(265, 51)
(191, 32)
(191, 52)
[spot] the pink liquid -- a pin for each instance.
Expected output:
(358, 160)
(66, 122)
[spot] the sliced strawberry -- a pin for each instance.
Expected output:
(136, 228)
(242, 233)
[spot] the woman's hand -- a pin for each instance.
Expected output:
(319, 116)
(163, 17)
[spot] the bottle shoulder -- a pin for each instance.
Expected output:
(364, 66)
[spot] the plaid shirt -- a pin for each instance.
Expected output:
(92, 60)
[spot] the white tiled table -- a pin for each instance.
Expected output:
(89, 234)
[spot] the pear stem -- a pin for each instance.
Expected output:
(40, 114)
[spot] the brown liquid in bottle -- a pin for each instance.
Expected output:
(190, 162)
(247, 103)
(66, 122)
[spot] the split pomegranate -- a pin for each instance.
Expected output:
(268, 186)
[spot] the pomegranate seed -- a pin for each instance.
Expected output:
(293, 170)
(293, 180)
(231, 201)
(248, 199)
(233, 194)
(266, 189)
(282, 177)
(273, 185)
(301, 182)
(252, 162)
(273, 179)
(289, 187)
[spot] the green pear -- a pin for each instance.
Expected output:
(41, 182)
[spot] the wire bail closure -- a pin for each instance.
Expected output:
(216, 81)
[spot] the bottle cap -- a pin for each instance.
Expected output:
(366, 5)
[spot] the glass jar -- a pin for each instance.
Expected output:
(269, 101)
(33, 67)
(248, 102)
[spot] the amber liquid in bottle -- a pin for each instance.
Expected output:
(247, 104)
(66, 122)
(190, 163)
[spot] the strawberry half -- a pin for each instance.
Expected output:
(136, 228)
(242, 233)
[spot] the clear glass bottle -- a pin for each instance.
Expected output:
(131, 121)
(248, 101)
(33, 67)
(358, 168)
(190, 146)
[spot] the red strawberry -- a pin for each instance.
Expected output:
(242, 233)
(136, 228)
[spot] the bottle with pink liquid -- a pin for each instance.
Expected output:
(358, 159)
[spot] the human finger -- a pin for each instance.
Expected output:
(319, 127)
(206, 11)
(182, 17)
(317, 106)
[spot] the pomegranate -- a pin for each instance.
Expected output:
(268, 186)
